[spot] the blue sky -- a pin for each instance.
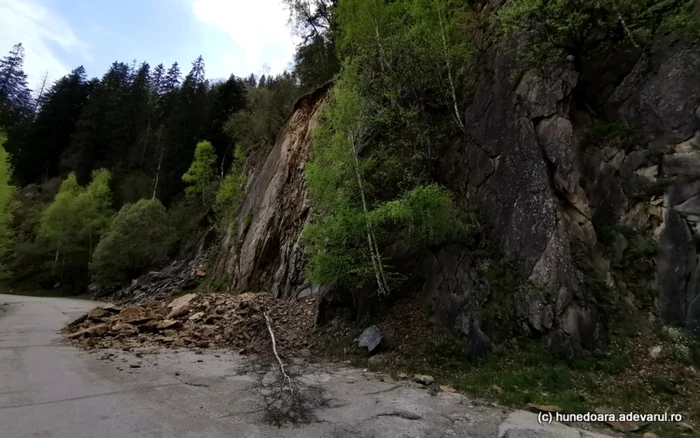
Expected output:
(234, 36)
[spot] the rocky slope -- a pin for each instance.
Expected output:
(567, 208)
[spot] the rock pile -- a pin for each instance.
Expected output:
(198, 320)
(160, 285)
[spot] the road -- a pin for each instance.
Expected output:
(51, 389)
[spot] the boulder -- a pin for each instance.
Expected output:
(97, 313)
(180, 306)
(370, 339)
(423, 379)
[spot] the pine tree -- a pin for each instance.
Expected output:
(15, 99)
(226, 98)
(102, 131)
(157, 78)
(184, 128)
(13, 80)
(55, 122)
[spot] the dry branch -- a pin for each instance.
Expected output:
(274, 350)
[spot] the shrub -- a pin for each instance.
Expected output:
(232, 191)
(553, 28)
(6, 202)
(136, 242)
(201, 176)
(72, 224)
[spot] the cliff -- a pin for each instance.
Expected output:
(566, 207)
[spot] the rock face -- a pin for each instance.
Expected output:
(180, 275)
(541, 187)
(263, 251)
(545, 189)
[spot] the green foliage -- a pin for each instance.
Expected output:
(255, 128)
(683, 347)
(137, 241)
(73, 223)
(7, 192)
(426, 215)
(376, 143)
(231, 193)
(551, 28)
(201, 176)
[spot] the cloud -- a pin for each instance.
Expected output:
(259, 29)
(44, 34)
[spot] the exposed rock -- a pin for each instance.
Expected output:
(660, 100)
(370, 339)
(267, 253)
(180, 306)
(97, 312)
(168, 324)
(423, 379)
(177, 277)
(544, 408)
(655, 352)
(234, 321)
(686, 165)
(95, 330)
(675, 246)
(445, 388)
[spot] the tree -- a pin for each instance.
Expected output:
(201, 176)
(231, 192)
(15, 99)
(73, 223)
(6, 202)
(255, 127)
(226, 98)
(316, 59)
(102, 133)
(553, 29)
(137, 241)
(375, 147)
(13, 80)
(51, 131)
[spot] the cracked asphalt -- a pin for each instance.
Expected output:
(51, 389)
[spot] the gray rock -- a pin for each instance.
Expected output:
(619, 245)
(682, 164)
(675, 244)
(660, 95)
(691, 207)
(370, 339)
(680, 192)
(424, 379)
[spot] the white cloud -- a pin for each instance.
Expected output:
(41, 31)
(258, 27)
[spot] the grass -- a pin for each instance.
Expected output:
(521, 372)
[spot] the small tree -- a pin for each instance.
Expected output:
(201, 176)
(72, 224)
(136, 242)
(6, 201)
(232, 190)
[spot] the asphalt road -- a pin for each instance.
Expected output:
(50, 389)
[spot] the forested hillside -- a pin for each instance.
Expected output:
(131, 135)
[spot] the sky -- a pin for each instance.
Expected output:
(233, 36)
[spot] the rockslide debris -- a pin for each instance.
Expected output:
(198, 320)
